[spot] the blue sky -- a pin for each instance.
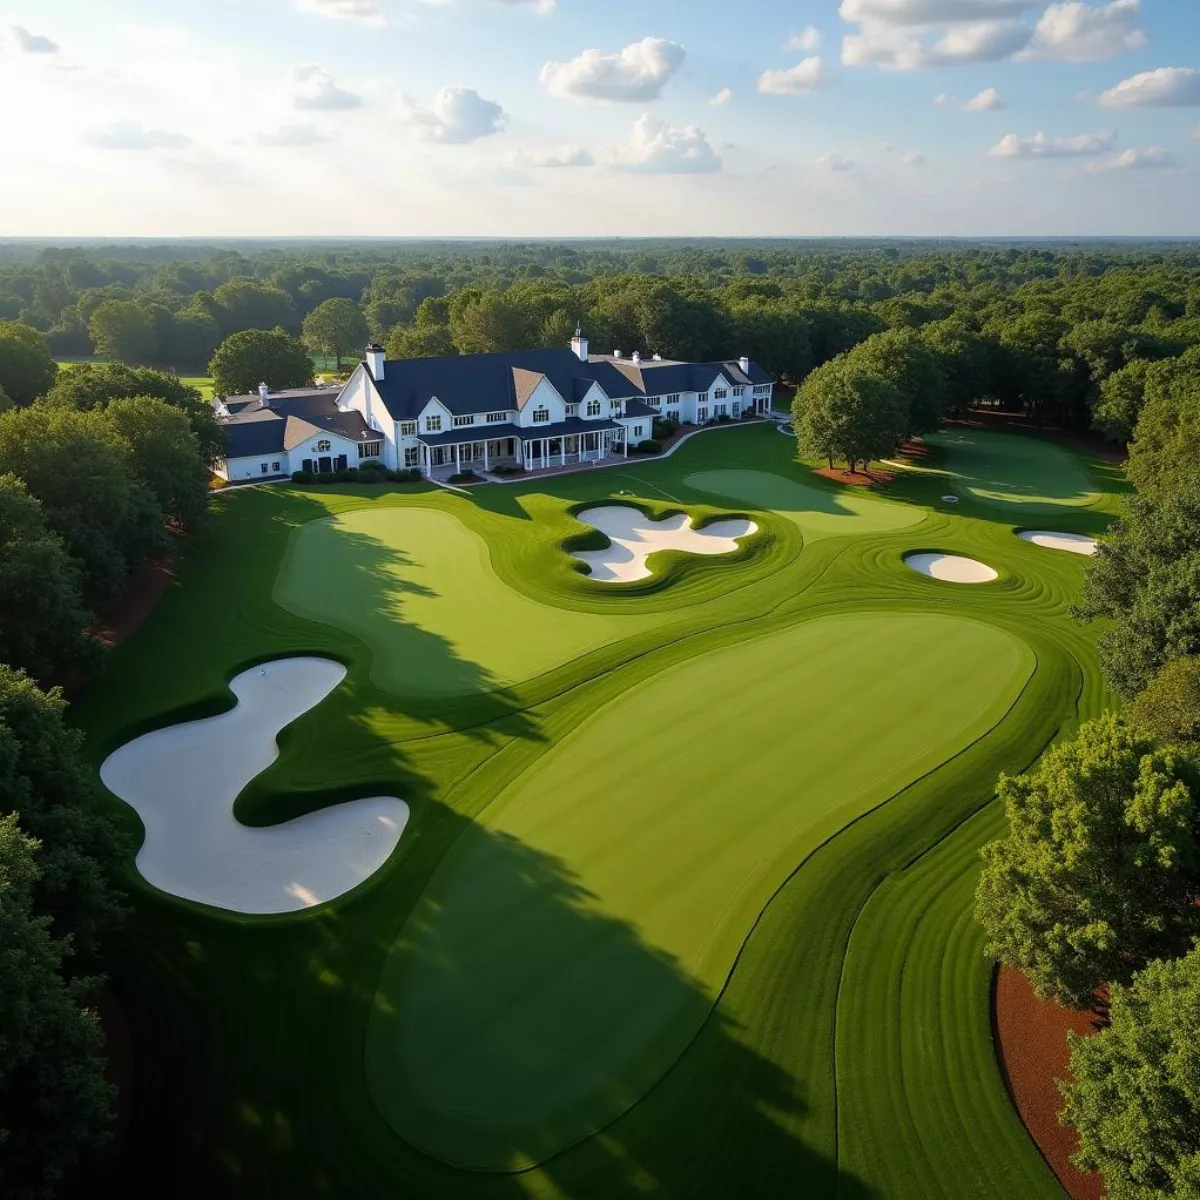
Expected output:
(634, 117)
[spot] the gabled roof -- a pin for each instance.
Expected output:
(525, 383)
(290, 420)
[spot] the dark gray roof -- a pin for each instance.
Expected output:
(479, 383)
(291, 418)
(489, 433)
(639, 408)
(245, 439)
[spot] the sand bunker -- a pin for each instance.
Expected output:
(951, 567)
(183, 780)
(1075, 543)
(635, 537)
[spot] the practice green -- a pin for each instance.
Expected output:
(1015, 471)
(573, 941)
(418, 587)
(819, 514)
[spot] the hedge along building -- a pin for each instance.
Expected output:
(533, 409)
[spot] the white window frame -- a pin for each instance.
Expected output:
(263, 468)
(433, 423)
(496, 417)
(462, 422)
(593, 408)
(541, 415)
(408, 429)
(738, 391)
(720, 394)
(324, 446)
(673, 398)
(638, 431)
(702, 413)
(369, 449)
(720, 410)
(412, 456)
(275, 468)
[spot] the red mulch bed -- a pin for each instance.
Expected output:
(1031, 1042)
(872, 477)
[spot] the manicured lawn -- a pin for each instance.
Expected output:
(818, 513)
(690, 859)
(512, 1021)
(1014, 471)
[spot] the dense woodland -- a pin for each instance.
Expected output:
(1098, 883)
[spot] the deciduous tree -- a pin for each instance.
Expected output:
(335, 328)
(26, 368)
(1169, 708)
(848, 414)
(253, 356)
(1100, 870)
(124, 331)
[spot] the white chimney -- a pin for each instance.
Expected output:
(376, 357)
(616, 354)
(744, 363)
(637, 356)
(264, 395)
(579, 344)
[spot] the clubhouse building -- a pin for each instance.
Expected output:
(532, 409)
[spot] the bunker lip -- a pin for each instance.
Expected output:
(1073, 543)
(182, 780)
(950, 568)
(633, 537)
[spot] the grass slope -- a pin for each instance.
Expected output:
(848, 1053)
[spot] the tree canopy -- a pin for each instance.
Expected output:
(335, 328)
(1135, 1095)
(26, 368)
(1100, 870)
(253, 356)
(1169, 707)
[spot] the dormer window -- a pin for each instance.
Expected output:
(541, 416)
(593, 408)
(433, 424)
(324, 446)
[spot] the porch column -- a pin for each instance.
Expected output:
(562, 451)
(457, 464)
(486, 466)
(625, 439)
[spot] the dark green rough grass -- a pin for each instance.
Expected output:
(849, 1054)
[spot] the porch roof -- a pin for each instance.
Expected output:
(568, 428)
(532, 433)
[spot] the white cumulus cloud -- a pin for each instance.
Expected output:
(1135, 160)
(133, 135)
(1084, 145)
(722, 97)
(806, 76)
(1166, 87)
(366, 11)
(930, 12)
(456, 115)
(658, 148)
(808, 39)
(902, 49)
(913, 159)
(633, 75)
(314, 89)
(986, 101)
(32, 43)
(560, 156)
(834, 162)
(1078, 32)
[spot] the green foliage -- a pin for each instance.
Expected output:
(54, 1101)
(420, 341)
(253, 356)
(335, 328)
(1135, 1094)
(649, 446)
(905, 360)
(194, 337)
(124, 331)
(44, 782)
(78, 466)
(1121, 397)
(96, 385)
(40, 595)
(964, 359)
(1165, 453)
(1169, 708)
(843, 413)
(252, 304)
(1146, 578)
(26, 368)
(1101, 867)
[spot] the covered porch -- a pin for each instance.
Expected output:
(567, 443)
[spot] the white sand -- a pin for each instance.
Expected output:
(951, 567)
(183, 780)
(635, 537)
(1075, 543)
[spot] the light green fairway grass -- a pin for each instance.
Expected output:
(1015, 471)
(819, 514)
(572, 942)
(418, 587)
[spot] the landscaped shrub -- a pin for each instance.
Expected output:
(664, 427)
(346, 475)
(303, 477)
(465, 477)
(723, 418)
(508, 469)
(372, 471)
(404, 475)
(649, 446)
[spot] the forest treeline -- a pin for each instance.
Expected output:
(1067, 335)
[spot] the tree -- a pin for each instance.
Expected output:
(54, 1100)
(26, 368)
(335, 328)
(1169, 708)
(165, 456)
(848, 414)
(78, 466)
(194, 337)
(1146, 578)
(1166, 446)
(1120, 403)
(488, 323)
(964, 359)
(420, 341)
(905, 360)
(253, 356)
(40, 594)
(1135, 1095)
(44, 781)
(97, 385)
(1100, 870)
(252, 304)
(123, 331)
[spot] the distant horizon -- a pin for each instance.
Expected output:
(537, 239)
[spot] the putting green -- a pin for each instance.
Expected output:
(819, 514)
(1015, 471)
(418, 587)
(572, 942)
